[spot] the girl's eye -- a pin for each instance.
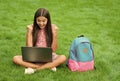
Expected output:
(38, 20)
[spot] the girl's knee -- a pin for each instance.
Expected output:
(63, 57)
(16, 58)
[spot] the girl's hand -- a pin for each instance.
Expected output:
(55, 40)
(29, 35)
(54, 30)
(30, 28)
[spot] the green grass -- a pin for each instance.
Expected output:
(96, 19)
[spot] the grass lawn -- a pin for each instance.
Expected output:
(98, 20)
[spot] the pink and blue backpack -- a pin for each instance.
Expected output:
(81, 55)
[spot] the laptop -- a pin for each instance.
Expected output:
(37, 54)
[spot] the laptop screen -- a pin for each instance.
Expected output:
(37, 54)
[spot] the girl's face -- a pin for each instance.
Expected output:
(41, 21)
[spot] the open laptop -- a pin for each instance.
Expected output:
(37, 54)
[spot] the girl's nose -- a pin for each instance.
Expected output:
(41, 23)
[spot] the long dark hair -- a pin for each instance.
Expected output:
(48, 30)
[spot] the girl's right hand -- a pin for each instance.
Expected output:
(29, 35)
(29, 28)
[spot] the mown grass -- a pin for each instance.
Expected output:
(96, 19)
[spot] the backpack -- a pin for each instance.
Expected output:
(81, 55)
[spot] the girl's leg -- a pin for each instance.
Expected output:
(57, 61)
(18, 60)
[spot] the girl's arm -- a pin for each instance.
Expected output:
(29, 36)
(55, 39)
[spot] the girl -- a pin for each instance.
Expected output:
(41, 34)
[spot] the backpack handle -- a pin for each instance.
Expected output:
(80, 36)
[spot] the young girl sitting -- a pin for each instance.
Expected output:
(41, 34)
